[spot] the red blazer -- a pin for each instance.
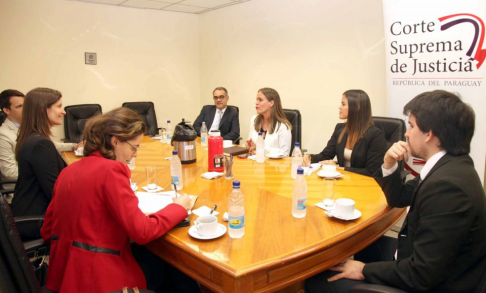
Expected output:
(90, 221)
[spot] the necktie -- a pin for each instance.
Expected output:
(217, 120)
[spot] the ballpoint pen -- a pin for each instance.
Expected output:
(212, 210)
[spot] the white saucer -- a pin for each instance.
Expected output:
(221, 230)
(78, 154)
(333, 175)
(275, 156)
(156, 137)
(152, 190)
(356, 215)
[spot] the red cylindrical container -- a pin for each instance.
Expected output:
(215, 152)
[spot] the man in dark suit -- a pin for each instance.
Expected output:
(220, 116)
(442, 244)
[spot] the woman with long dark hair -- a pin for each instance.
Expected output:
(38, 160)
(94, 213)
(270, 120)
(357, 143)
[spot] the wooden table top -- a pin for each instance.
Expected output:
(277, 249)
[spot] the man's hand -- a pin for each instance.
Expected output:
(398, 151)
(350, 269)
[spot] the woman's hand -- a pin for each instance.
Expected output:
(306, 161)
(184, 201)
(78, 145)
(250, 145)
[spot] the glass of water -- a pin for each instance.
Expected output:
(329, 195)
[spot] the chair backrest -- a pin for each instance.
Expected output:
(3, 116)
(147, 111)
(236, 108)
(16, 272)
(394, 130)
(295, 120)
(76, 118)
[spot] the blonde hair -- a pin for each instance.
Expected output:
(277, 115)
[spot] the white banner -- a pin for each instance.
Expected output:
(436, 44)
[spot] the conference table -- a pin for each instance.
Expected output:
(277, 250)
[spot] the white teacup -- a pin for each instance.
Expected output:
(328, 170)
(344, 208)
(227, 143)
(274, 152)
(206, 225)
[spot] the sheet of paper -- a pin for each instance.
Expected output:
(150, 203)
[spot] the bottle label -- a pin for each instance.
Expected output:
(301, 204)
(236, 222)
(175, 180)
(218, 161)
(203, 139)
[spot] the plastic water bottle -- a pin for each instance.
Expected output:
(169, 130)
(299, 196)
(176, 171)
(204, 134)
(236, 212)
(260, 148)
(297, 160)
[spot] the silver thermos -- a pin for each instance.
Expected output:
(184, 142)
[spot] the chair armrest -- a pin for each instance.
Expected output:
(372, 288)
(38, 245)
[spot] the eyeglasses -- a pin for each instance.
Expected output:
(134, 149)
(219, 97)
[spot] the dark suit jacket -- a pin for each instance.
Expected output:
(367, 155)
(442, 245)
(229, 125)
(39, 165)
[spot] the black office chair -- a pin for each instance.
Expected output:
(76, 118)
(147, 111)
(16, 271)
(394, 130)
(7, 186)
(295, 120)
(3, 116)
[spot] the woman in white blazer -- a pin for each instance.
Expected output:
(271, 121)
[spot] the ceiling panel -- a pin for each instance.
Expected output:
(146, 4)
(186, 6)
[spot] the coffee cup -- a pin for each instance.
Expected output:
(227, 143)
(328, 170)
(206, 225)
(274, 152)
(344, 208)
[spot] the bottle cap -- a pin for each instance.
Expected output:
(174, 152)
(260, 133)
(214, 133)
(300, 171)
(297, 144)
(236, 184)
(168, 121)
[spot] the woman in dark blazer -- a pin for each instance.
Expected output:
(357, 143)
(38, 160)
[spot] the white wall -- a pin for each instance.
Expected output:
(142, 54)
(309, 51)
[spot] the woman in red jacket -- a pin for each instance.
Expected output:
(94, 213)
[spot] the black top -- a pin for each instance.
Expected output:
(442, 244)
(367, 155)
(229, 125)
(39, 165)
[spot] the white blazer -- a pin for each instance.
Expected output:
(280, 139)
